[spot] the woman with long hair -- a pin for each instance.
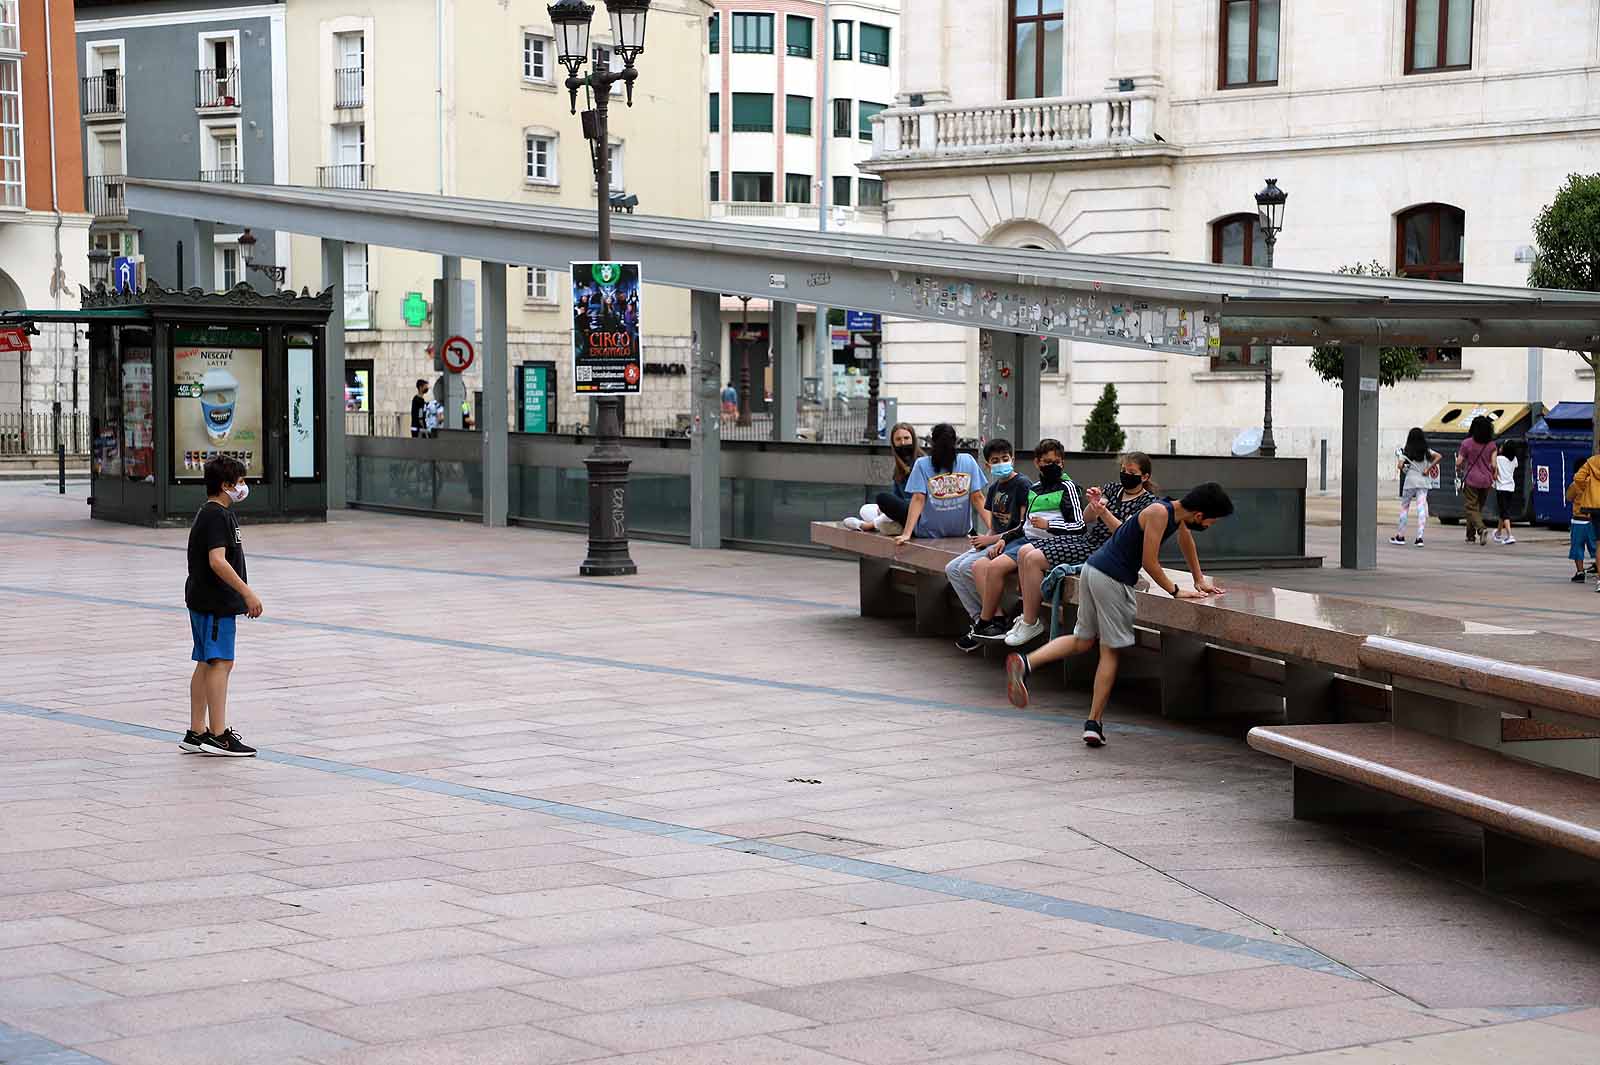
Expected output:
(1419, 471)
(1475, 471)
(945, 485)
(887, 511)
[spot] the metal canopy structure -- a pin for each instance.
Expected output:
(1157, 304)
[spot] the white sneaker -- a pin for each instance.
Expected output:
(853, 523)
(1023, 632)
(1509, 540)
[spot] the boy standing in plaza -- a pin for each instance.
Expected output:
(1107, 602)
(216, 594)
(1008, 495)
(1584, 495)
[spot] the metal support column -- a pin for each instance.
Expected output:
(1029, 381)
(705, 440)
(786, 356)
(1358, 488)
(205, 259)
(333, 476)
(494, 418)
(455, 296)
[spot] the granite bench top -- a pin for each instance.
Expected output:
(1557, 672)
(1549, 806)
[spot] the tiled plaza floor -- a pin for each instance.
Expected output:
(705, 815)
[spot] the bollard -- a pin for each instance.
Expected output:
(1323, 478)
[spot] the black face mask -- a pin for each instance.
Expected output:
(1130, 481)
(907, 452)
(1050, 473)
(1196, 525)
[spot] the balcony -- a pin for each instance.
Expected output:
(107, 197)
(360, 307)
(349, 87)
(103, 96)
(345, 176)
(798, 215)
(216, 89)
(230, 174)
(1056, 128)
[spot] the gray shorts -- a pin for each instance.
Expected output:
(1106, 608)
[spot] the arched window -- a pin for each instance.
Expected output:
(1238, 241)
(1428, 245)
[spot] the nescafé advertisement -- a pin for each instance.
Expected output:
(217, 404)
(605, 329)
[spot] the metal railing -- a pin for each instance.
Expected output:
(377, 423)
(103, 94)
(33, 433)
(345, 176)
(227, 174)
(1051, 124)
(349, 87)
(107, 197)
(216, 87)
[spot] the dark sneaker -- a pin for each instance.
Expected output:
(1017, 680)
(1401, 540)
(993, 629)
(190, 742)
(1419, 541)
(967, 642)
(1579, 578)
(1093, 734)
(227, 745)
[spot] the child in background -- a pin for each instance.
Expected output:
(1505, 494)
(1584, 495)
(1053, 510)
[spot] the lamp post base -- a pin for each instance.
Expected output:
(608, 501)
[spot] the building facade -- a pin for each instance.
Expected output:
(43, 228)
(182, 92)
(1420, 135)
(468, 100)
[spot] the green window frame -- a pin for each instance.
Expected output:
(866, 109)
(797, 115)
(871, 192)
(797, 188)
(798, 31)
(874, 47)
(714, 32)
(752, 33)
(841, 191)
(752, 112)
(716, 112)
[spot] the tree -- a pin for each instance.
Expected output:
(1101, 432)
(1567, 251)
(1394, 364)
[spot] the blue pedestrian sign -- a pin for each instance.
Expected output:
(862, 322)
(124, 275)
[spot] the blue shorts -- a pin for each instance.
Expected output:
(213, 637)
(1014, 548)
(1582, 537)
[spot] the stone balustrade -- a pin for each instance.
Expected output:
(1014, 127)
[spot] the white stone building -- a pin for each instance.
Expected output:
(1424, 135)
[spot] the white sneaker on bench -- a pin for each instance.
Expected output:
(1024, 632)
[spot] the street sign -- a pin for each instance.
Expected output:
(124, 274)
(14, 338)
(862, 321)
(606, 357)
(458, 354)
(414, 309)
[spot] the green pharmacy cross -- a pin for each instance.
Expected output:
(415, 309)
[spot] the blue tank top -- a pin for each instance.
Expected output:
(1122, 556)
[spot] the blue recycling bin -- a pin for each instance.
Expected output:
(1561, 442)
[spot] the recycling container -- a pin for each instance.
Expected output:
(1450, 427)
(1558, 444)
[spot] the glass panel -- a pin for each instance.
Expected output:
(11, 132)
(1417, 231)
(841, 118)
(716, 185)
(460, 487)
(716, 112)
(1425, 36)
(748, 187)
(797, 117)
(752, 112)
(714, 32)
(1458, 34)
(841, 191)
(395, 482)
(797, 188)
(1258, 247)
(1025, 56)
(843, 46)
(1452, 232)
(871, 192)
(138, 406)
(797, 36)
(1055, 55)
(107, 411)
(874, 44)
(1231, 238)
(867, 110)
(1237, 57)
(1051, 7)
(1267, 40)
(1025, 7)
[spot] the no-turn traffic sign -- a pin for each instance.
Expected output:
(457, 354)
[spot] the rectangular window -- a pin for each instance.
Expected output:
(1438, 35)
(1249, 48)
(11, 193)
(797, 115)
(538, 285)
(752, 33)
(871, 192)
(230, 268)
(716, 111)
(1038, 36)
(536, 57)
(350, 76)
(605, 59)
(716, 186)
(1239, 240)
(9, 36)
(841, 118)
(841, 192)
(843, 39)
(714, 32)
(797, 33)
(751, 187)
(752, 112)
(875, 44)
(797, 188)
(867, 110)
(614, 167)
(541, 159)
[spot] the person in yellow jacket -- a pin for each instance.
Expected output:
(1584, 495)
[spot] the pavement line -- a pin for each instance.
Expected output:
(588, 583)
(958, 887)
(24, 1048)
(566, 658)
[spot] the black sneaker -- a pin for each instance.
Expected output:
(993, 629)
(968, 642)
(1093, 734)
(190, 742)
(227, 745)
(1017, 680)
(1401, 540)
(1579, 578)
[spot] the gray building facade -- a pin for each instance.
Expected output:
(187, 91)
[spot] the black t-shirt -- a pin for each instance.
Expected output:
(1005, 502)
(417, 403)
(214, 526)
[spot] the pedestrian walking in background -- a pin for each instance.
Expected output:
(1584, 495)
(1505, 495)
(419, 407)
(1419, 471)
(730, 402)
(1475, 472)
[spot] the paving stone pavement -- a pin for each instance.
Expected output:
(507, 815)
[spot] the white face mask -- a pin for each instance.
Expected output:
(238, 493)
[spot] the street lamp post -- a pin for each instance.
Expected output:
(744, 364)
(247, 253)
(1270, 203)
(607, 463)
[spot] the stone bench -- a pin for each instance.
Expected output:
(1539, 825)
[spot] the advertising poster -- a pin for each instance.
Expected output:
(605, 329)
(302, 412)
(538, 398)
(138, 412)
(216, 410)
